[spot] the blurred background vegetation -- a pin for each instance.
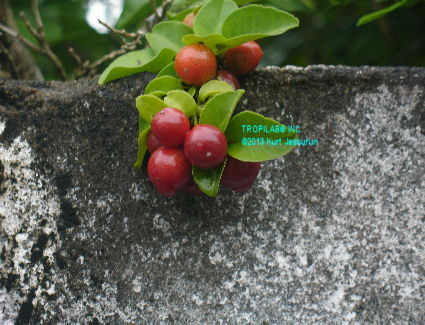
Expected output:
(327, 34)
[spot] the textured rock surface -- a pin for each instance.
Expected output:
(330, 234)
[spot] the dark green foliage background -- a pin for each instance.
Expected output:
(327, 34)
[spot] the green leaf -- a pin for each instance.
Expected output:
(290, 5)
(148, 106)
(142, 146)
(254, 22)
(168, 34)
(143, 125)
(210, 40)
(168, 70)
(179, 15)
(208, 180)
(269, 150)
(191, 91)
(162, 85)
(242, 2)
(134, 62)
(212, 88)
(211, 16)
(378, 14)
(135, 11)
(219, 109)
(182, 101)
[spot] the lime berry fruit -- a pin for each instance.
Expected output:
(196, 64)
(244, 58)
(169, 170)
(188, 20)
(239, 175)
(170, 126)
(230, 78)
(205, 146)
(152, 143)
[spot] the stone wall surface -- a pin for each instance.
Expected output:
(330, 234)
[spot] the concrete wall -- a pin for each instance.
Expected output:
(330, 234)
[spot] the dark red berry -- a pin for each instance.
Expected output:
(228, 77)
(170, 126)
(153, 143)
(205, 146)
(192, 188)
(243, 58)
(188, 20)
(169, 170)
(239, 175)
(196, 64)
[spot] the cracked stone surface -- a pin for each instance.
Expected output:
(330, 234)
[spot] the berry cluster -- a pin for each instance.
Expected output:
(175, 146)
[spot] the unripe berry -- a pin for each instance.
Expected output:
(195, 64)
(170, 126)
(205, 146)
(169, 170)
(244, 58)
(239, 175)
(188, 20)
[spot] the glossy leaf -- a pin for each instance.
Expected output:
(208, 180)
(211, 16)
(242, 2)
(179, 16)
(290, 5)
(219, 109)
(191, 91)
(135, 11)
(168, 70)
(168, 34)
(212, 88)
(274, 142)
(148, 106)
(162, 85)
(182, 101)
(134, 62)
(254, 22)
(142, 143)
(210, 40)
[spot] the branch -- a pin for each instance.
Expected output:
(44, 47)
(153, 4)
(20, 62)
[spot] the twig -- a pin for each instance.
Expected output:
(121, 31)
(90, 68)
(18, 36)
(165, 7)
(38, 33)
(153, 4)
(8, 55)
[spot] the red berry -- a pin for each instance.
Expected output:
(153, 143)
(239, 175)
(196, 64)
(169, 170)
(243, 58)
(188, 20)
(170, 126)
(192, 188)
(228, 77)
(205, 146)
